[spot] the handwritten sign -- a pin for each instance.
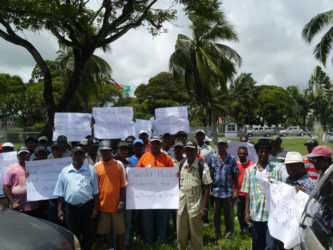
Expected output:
(113, 123)
(152, 188)
(233, 150)
(285, 210)
(43, 176)
(142, 125)
(6, 160)
(75, 126)
(171, 125)
(179, 111)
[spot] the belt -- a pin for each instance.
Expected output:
(79, 205)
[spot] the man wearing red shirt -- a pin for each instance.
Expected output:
(243, 164)
(308, 164)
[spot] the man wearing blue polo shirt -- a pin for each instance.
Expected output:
(77, 185)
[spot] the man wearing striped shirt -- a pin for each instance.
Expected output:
(308, 164)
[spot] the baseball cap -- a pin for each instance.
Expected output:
(321, 151)
(276, 138)
(78, 149)
(42, 138)
(191, 144)
(293, 157)
(222, 140)
(166, 134)
(207, 139)
(29, 138)
(200, 131)
(22, 150)
(143, 132)
(138, 141)
(56, 145)
(311, 142)
(62, 138)
(181, 132)
(105, 145)
(40, 149)
(156, 138)
(122, 144)
(178, 144)
(83, 142)
(8, 145)
(93, 141)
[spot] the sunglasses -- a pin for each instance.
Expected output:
(317, 159)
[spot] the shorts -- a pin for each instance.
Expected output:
(111, 222)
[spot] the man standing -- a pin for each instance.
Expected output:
(111, 196)
(278, 154)
(179, 154)
(224, 188)
(298, 177)
(181, 136)
(167, 145)
(7, 147)
(192, 201)
(158, 218)
(144, 136)
(321, 157)
(309, 167)
(77, 185)
(92, 156)
(31, 144)
(15, 186)
(138, 152)
(203, 149)
(243, 164)
(129, 140)
(256, 207)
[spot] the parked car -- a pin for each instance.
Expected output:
(21, 231)
(316, 230)
(261, 131)
(292, 131)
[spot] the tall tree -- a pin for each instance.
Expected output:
(314, 27)
(84, 26)
(202, 62)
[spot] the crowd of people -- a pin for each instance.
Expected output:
(92, 190)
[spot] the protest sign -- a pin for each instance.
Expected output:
(75, 126)
(6, 160)
(113, 123)
(43, 176)
(233, 149)
(171, 125)
(142, 125)
(285, 209)
(152, 188)
(179, 111)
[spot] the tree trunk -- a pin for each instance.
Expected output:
(215, 135)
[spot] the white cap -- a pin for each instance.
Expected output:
(8, 145)
(143, 132)
(199, 131)
(293, 157)
(207, 139)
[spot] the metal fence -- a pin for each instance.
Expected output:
(16, 137)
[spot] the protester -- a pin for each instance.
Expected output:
(41, 153)
(167, 144)
(138, 152)
(129, 140)
(111, 195)
(203, 149)
(15, 185)
(65, 150)
(321, 156)
(298, 177)
(7, 147)
(243, 163)
(192, 203)
(31, 144)
(158, 218)
(179, 154)
(181, 136)
(224, 188)
(56, 151)
(278, 154)
(77, 185)
(256, 206)
(122, 154)
(144, 136)
(244, 139)
(309, 167)
(92, 155)
(84, 144)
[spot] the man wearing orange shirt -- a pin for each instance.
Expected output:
(243, 163)
(111, 185)
(155, 219)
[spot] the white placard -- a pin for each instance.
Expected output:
(171, 125)
(113, 123)
(179, 111)
(43, 177)
(75, 126)
(285, 209)
(233, 150)
(152, 188)
(142, 125)
(6, 160)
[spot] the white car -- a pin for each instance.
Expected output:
(292, 131)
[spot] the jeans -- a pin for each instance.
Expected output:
(155, 220)
(261, 238)
(241, 213)
(52, 212)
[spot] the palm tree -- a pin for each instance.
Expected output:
(202, 62)
(314, 27)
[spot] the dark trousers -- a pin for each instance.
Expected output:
(261, 238)
(52, 212)
(79, 222)
(241, 213)
(228, 210)
(155, 220)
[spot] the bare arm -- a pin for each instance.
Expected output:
(96, 205)
(8, 192)
(235, 182)
(247, 218)
(122, 198)
(203, 209)
(61, 201)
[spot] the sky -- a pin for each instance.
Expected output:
(270, 44)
